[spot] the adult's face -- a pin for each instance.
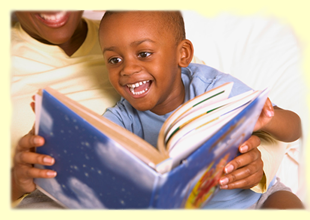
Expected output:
(52, 27)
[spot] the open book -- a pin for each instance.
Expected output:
(117, 169)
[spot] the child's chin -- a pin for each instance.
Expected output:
(142, 109)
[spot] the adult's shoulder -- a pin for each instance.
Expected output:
(92, 23)
(16, 33)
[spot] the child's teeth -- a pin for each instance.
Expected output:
(135, 85)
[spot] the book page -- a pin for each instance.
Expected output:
(212, 96)
(200, 112)
(194, 134)
(209, 116)
(49, 195)
(194, 139)
(38, 101)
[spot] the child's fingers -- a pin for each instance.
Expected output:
(266, 115)
(269, 104)
(268, 108)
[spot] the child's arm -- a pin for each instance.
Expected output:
(282, 124)
(23, 172)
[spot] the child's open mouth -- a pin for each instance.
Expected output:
(139, 88)
(55, 19)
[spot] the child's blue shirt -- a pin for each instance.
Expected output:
(197, 79)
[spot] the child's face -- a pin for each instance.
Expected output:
(55, 27)
(142, 60)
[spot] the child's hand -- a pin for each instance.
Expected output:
(246, 170)
(23, 172)
(265, 116)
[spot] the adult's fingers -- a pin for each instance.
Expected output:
(243, 160)
(243, 177)
(27, 157)
(244, 183)
(29, 141)
(26, 173)
(22, 178)
(249, 144)
(40, 173)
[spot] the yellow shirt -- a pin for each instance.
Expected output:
(82, 76)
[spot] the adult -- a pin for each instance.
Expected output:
(60, 50)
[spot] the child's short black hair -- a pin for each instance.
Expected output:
(173, 22)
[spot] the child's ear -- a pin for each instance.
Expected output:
(186, 53)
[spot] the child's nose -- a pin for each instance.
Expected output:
(130, 67)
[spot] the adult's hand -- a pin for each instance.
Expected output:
(246, 170)
(23, 171)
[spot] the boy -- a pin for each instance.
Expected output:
(148, 59)
(84, 81)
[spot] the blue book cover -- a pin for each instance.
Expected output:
(95, 171)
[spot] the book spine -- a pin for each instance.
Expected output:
(164, 166)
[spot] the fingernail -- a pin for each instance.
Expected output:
(270, 113)
(223, 181)
(48, 160)
(36, 141)
(224, 187)
(229, 168)
(51, 173)
(244, 148)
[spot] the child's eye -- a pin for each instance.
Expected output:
(114, 60)
(144, 54)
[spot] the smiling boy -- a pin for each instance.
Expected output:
(157, 56)
(148, 60)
